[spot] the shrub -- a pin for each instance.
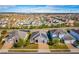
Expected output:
(20, 43)
(56, 40)
(50, 43)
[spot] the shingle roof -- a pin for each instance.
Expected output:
(12, 34)
(33, 34)
(36, 34)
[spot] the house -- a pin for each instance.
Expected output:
(62, 35)
(39, 37)
(68, 39)
(74, 33)
(15, 35)
(56, 33)
(3, 22)
(12, 37)
(70, 23)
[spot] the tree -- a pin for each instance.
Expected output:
(50, 42)
(4, 33)
(73, 18)
(0, 38)
(20, 43)
(27, 39)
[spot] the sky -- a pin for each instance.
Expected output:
(40, 8)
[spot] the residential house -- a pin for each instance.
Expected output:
(12, 37)
(39, 37)
(56, 33)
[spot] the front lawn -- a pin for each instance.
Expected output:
(22, 50)
(57, 45)
(28, 48)
(1, 45)
(32, 46)
(24, 46)
(60, 47)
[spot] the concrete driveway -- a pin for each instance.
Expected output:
(43, 47)
(6, 46)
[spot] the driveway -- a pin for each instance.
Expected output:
(71, 47)
(43, 47)
(6, 46)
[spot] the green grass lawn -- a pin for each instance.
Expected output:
(22, 50)
(32, 46)
(60, 47)
(28, 48)
(1, 45)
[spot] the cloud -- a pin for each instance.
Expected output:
(39, 9)
(6, 6)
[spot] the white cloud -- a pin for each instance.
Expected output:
(45, 9)
(6, 6)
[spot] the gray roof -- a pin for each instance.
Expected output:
(57, 31)
(36, 34)
(12, 34)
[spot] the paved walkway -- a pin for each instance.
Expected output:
(43, 47)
